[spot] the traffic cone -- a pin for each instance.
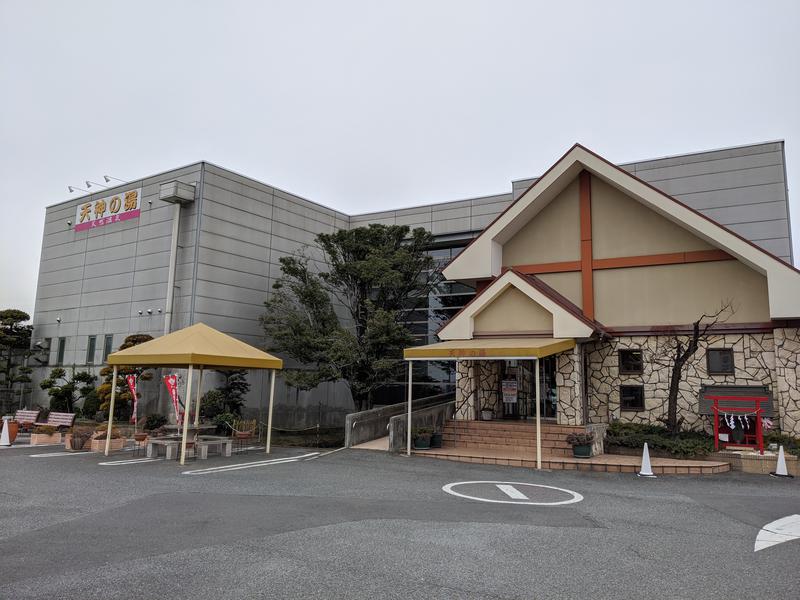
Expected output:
(646, 471)
(4, 438)
(781, 471)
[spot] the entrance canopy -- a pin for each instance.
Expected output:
(490, 348)
(197, 345)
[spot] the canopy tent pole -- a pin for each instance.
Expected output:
(186, 415)
(269, 414)
(111, 408)
(197, 401)
(408, 425)
(538, 418)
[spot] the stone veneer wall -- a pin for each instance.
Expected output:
(569, 384)
(787, 376)
(488, 372)
(754, 361)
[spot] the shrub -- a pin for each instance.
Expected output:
(154, 421)
(683, 444)
(45, 429)
(100, 432)
(91, 405)
(212, 404)
(224, 422)
(791, 445)
(580, 439)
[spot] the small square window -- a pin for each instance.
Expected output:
(631, 362)
(720, 361)
(631, 397)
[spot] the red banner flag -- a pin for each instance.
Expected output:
(171, 382)
(131, 379)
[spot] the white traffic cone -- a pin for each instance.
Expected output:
(647, 470)
(781, 471)
(4, 439)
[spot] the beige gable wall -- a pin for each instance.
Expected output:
(621, 226)
(553, 235)
(566, 284)
(679, 294)
(512, 311)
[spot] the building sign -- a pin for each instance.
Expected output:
(509, 388)
(116, 208)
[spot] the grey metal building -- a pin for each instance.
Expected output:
(204, 245)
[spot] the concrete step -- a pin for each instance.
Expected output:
(604, 463)
(478, 440)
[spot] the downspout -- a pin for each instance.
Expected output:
(198, 224)
(173, 259)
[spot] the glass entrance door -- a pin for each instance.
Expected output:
(518, 392)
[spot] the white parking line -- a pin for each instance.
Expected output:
(325, 453)
(64, 453)
(132, 461)
(512, 492)
(250, 465)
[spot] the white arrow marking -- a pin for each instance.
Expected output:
(512, 492)
(777, 532)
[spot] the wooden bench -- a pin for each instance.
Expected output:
(26, 418)
(59, 420)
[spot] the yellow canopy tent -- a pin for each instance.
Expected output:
(195, 346)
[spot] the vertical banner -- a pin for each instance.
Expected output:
(171, 381)
(131, 380)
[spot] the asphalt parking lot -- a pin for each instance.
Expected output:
(361, 524)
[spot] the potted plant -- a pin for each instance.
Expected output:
(78, 439)
(422, 437)
(436, 439)
(13, 429)
(487, 414)
(581, 444)
(45, 434)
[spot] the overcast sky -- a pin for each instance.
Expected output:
(369, 105)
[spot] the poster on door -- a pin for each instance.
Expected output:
(509, 389)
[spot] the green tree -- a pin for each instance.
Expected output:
(15, 343)
(123, 406)
(227, 398)
(372, 276)
(65, 389)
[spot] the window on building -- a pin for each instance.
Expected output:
(631, 362)
(62, 346)
(91, 346)
(720, 361)
(108, 343)
(631, 397)
(46, 350)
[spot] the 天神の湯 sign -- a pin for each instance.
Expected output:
(113, 209)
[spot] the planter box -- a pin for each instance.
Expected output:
(42, 439)
(100, 445)
(752, 462)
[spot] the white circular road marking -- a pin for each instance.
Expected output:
(511, 489)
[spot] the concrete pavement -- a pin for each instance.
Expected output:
(357, 524)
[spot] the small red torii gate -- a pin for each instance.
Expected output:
(754, 400)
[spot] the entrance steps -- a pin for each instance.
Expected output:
(513, 443)
(508, 435)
